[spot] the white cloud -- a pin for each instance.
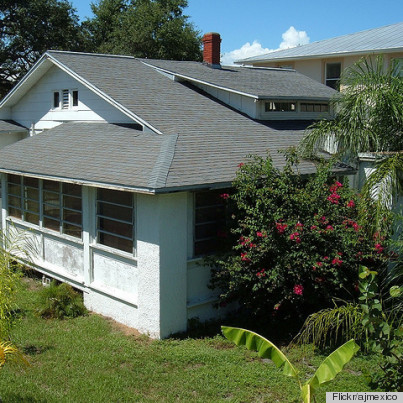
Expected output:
(291, 38)
(245, 51)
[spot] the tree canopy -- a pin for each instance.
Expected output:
(30, 27)
(141, 28)
(144, 28)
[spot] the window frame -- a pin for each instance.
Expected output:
(43, 203)
(102, 215)
(314, 105)
(269, 104)
(67, 99)
(333, 79)
(196, 223)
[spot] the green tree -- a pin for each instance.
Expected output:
(144, 28)
(369, 118)
(30, 27)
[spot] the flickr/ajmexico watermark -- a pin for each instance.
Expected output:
(364, 397)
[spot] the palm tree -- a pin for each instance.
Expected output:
(368, 119)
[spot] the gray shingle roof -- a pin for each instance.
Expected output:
(202, 140)
(9, 126)
(92, 152)
(258, 82)
(386, 38)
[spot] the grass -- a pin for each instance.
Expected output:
(93, 359)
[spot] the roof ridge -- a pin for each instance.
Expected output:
(91, 54)
(307, 45)
(159, 174)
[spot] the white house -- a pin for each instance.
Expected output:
(325, 60)
(122, 162)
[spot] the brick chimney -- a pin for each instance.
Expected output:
(211, 49)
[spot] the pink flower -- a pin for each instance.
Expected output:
(330, 228)
(351, 204)
(335, 186)
(298, 289)
(334, 198)
(326, 258)
(241, 165)
(337, 261)
(378, 248)
(260, 234)
(224, 196)
(295, 237)
(313, 227)
(299, 225)
(244, 257)
(261, 273)
(252, 245)
(281, 227)
(319, 264)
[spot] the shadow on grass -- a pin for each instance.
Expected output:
(31, 349)
(14, 397)
(279, 331)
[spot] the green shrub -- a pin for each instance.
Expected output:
(295, 242)
(60, 301)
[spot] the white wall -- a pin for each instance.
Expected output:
(36, 106)
(240, 102)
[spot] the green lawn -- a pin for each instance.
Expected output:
(92, 359)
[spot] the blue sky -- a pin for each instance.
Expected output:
(253, 26)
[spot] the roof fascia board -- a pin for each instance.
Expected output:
(31, 71)
(80, 181)
(103, 95)
(187, 78)
(321, 56)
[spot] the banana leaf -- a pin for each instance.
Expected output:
(265, 348)
(333, 364)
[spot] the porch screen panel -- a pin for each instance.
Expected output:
(14, 195)
(209, 221)
(23, 198)
(31, 200)
(115, 221)
(62, 208)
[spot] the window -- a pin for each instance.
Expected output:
(65, 99)
(280, 106)
(23, 198)
(56, 99)
(209, 221)
(61, 204)
(75, 98)
(314, 107)
(333, 72)
(62, 209)
(115, 223)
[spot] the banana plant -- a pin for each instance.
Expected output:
(330, 367)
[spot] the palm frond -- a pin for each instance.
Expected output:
(331, 326)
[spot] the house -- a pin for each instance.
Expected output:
(119, 173)
(325, 60)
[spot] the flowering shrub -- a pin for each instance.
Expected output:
(296, 242)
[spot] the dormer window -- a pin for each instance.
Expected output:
(56, 99)
(280, 106)
(65, 99)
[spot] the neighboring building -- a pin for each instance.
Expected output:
(325, 60)
(119, 177)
